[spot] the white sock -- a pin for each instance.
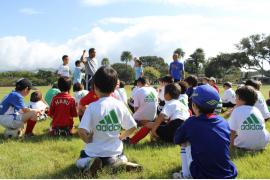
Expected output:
(82, 162)
(185, 168)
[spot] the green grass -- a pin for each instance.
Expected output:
(45, 157)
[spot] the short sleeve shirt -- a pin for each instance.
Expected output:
(63, 71)
(174, 110)
(50, 94)
(105, 118)
(176, 70)
(12, 104)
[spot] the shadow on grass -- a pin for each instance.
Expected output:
(149, 144)
(238, 153)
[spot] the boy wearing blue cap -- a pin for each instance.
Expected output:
(205, 140)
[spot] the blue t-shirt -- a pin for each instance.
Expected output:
(138, 72)
(176, 69)
(209, 138)
(12, 103)
(77, 75)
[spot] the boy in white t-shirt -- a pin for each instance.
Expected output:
(122, 92)
(228, 99)
(145, 106)
(260, 103)
(79, 92)
(162, 83)
(101, 125)
(173, 114)
(63, 70)
(246, 122)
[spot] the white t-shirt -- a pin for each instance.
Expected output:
(174, 109)
(122, 95)
(40, 105)
(249, 125)
(63, 71)
(134, 90)
(104, 118)
(79, 95)
(145, 99)
(262, 106)
(183, 98)
(228, 96)
(161, 93)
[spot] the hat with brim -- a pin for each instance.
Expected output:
(25, 83)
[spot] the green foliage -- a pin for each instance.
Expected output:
(126, 57)
(125, 72)
(105, 61)
(156, 62)
(180, 52)
(194, 64)
(151, 73)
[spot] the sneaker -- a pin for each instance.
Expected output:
(126, 141)
(94, 164)
(178, 175)
(129, 166)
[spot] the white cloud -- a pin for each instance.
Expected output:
(29, 11)
(152, 35)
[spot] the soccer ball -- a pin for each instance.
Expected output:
(12, 133)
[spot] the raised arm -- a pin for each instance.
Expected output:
(83, 57)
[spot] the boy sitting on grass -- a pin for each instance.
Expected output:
(205, 140)
(51, 93)
(101, 125)
(13, 112)
(172, 116)
(247, 123)
(63, 109)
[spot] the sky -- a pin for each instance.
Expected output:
(36, 34)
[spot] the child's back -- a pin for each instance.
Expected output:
(50, 94)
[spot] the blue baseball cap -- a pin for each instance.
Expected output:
(206, 96)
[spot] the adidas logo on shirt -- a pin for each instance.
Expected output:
(251, 123)
(109, 123)
(150, 98)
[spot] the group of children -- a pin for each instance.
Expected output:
(183, 113)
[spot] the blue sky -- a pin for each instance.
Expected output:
(35, 34)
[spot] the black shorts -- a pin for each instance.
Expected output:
(106, 161)
(160, 106)
(166, 131)
(228, 105)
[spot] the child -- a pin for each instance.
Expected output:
(13, 113)
(51, 93)
(183, 97)
(63, 70)
(63, 109)
(247, 123)
(192, 82)
(228, 99)
(208, 134)
(213, 82)
(260, 103)
(145, 106)
(101, 125)
(131, 99)
(79, 92)
(36, 102)
(161, 100)
(138, 68)
(122, 92)
(77, 74)
(174, 112)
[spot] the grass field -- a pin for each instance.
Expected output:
(46, 157)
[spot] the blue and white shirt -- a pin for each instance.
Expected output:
(176, 70)
(12, 104)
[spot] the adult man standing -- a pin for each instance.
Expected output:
(176, 69)
(91, 66)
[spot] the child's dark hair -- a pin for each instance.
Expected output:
(173, 90)
(167, 79)
(247, 94)
(143, 80)
(77, 87)
(105, 79)
(77, 63)
(36, 96)
(253, 83)
(64, 57)
(205, 110)
(192, 81)
(55, 85)
(228, 84)
(122, 84)
(64, 84)
(91, 50)
(139, 61)
(183, 86)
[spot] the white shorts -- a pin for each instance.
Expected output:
(11, 121)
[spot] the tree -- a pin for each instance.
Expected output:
(125, 72)
(126, 57)
(180, 52)
(151, 73)
(196, 60)
(156, 62)
(105, 61)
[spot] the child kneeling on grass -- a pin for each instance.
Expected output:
(174, 112)
(205, 140)
(247, 123)
(13, 112)
(101, 125)
(63, 109)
